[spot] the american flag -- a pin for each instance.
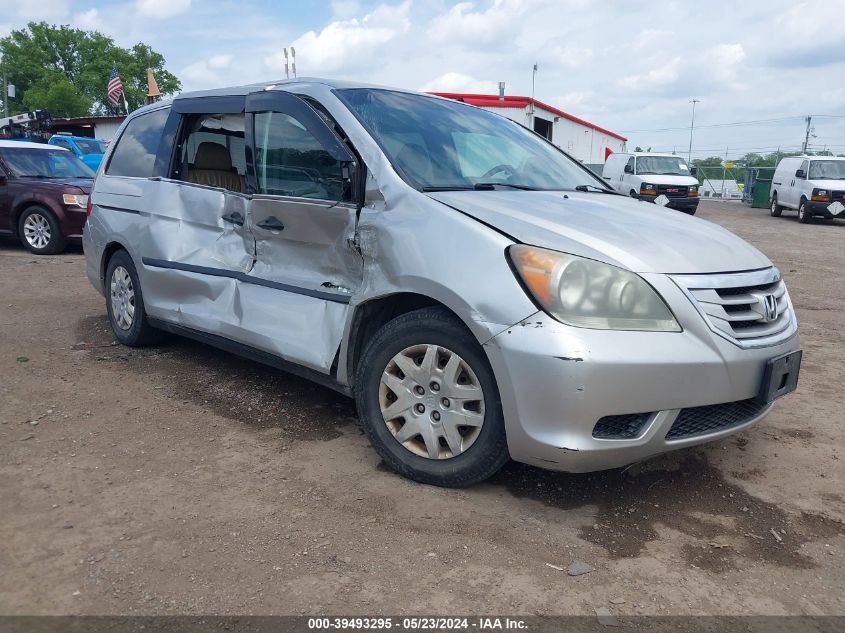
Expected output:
(115, 88)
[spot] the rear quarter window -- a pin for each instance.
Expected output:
(134, 154)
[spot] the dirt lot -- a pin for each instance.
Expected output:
(180, 479)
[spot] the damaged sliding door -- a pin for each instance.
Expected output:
(196, 243)
(302, 216)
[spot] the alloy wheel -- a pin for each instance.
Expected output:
(432, 401)
(122, 298)
(36, 230)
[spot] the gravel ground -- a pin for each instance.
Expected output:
(182, 480)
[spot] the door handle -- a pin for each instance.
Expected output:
(234, 218)
(271, 224)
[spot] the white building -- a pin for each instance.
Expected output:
(91, 126)
(586, 141)
(711, 188)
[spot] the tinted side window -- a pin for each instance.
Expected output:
(630, 164)
(289, 161)
(62, 143)
(135, 152)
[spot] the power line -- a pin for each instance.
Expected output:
(717, 125)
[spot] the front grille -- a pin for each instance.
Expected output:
(739, 306)
(837, 195)
(620, 427)
(714, 417)
(672, 191)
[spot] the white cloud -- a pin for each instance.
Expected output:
(661, 75)
(569, 55)
(220, 61)
(346, 43)
(163, 8)
(457, 82)
(463, 23)
(89, 20)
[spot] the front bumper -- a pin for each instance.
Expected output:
(681, 204)
(820, 209)
(556, 382)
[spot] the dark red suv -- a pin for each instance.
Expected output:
(43, 195)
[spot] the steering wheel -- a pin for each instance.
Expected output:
(508, 169)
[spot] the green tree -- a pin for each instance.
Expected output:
(66, 68)
(55, 93)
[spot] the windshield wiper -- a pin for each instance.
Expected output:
(594, 188)
(489, 186)
(447, 188)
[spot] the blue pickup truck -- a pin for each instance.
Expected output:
(89, 150)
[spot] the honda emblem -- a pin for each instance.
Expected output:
(770, 308)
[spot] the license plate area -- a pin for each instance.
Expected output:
(780, 377)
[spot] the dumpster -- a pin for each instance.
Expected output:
(758, 184)
(760, 195)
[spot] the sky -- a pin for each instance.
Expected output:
(630, 66)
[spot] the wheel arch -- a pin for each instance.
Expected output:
(24, 205)
(108, 252)
(371, 315)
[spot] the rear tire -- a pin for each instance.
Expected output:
(803, 216)
(447, 381)
(39, 231)
(125, 303)
(775, 210)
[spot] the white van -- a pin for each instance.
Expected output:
(664, 179)
(814, 185)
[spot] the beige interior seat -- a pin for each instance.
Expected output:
(212, 166)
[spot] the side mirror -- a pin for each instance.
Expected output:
(629, 169)
(2, 178)
(693, 171)
(799, 173)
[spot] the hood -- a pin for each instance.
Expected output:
(639, 236)
(668, 180)
(82, 183)
(836, 185)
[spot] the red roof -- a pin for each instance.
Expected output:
(493, 101)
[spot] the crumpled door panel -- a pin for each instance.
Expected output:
(190, 254)
(312, 249)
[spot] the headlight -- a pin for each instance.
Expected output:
(586, 293)
(693, 188)
(821, 192)
(73, 200)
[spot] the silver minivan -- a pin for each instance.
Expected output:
(479, 293)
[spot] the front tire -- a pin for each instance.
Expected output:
(125, 303)
(803, 216)
(39, 231)
(775, 210)
(428, 400)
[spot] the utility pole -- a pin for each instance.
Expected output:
(533, 77)
(691, 126)
(806, 135)
(724, 172)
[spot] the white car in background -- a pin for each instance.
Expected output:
(664, 179)
(813, 185)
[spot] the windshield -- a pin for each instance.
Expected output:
(662, 165)
(44, 163)
(441, 144)
(827, 170)
(91, 146)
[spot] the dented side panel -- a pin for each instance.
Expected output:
(187, 250)
(312, 248)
